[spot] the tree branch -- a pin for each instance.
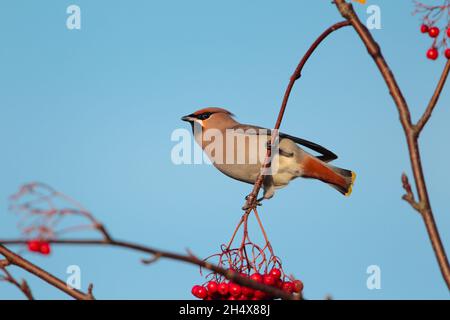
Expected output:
(190, 258)
(20, 262)
(25, 200)
(411, 132)
(23, 286)
(434, 99)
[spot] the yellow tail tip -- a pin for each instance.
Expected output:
(350, 189)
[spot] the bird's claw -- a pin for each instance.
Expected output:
(247, 206)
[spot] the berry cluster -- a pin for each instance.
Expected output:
(227, 290)
(433, 32)
(43, 247)
(258, 263)
(432, 16)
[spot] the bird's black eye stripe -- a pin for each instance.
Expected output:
(204, 116)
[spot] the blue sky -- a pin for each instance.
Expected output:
(91, 113)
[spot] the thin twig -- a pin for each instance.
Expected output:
(409, 195)
(251, 198)
(264, 232)
(434, 99)
(22, 286)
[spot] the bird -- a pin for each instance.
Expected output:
(217, 132)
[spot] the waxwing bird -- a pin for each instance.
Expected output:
(238, 150)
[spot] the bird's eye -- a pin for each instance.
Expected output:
(204, 116)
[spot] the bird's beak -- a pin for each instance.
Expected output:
(188, 118)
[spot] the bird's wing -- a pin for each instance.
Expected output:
(326, 155)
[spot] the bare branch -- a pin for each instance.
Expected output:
(151, 260)
(190, 258)
(409, 196)
(41, 231)
(434, 99)
(90, 291)
(20, 262)
(347, 11)
(22, 286)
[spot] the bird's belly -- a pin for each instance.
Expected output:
(286, 169)
(242, 172)
(281, 179)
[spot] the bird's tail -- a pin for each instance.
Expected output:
(349, 180)
(340, 179)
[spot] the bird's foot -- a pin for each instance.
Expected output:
(248, 205)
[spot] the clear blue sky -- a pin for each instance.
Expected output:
(91, 112)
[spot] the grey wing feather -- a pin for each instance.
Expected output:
(326, 155)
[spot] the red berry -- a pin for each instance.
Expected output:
(276, 273)
(202, 293)
(279, 283)
(34, 245)
(289, 287)
(259, 295)
(222, 288)
(298, 286)
(432, 54)
(248, 292)
(212, 287)
(243, 297)
(424, 28)
(235, 289)
(257, 277)
(447, 53)
(448, 32)
(194, 290)
(433, 32)
(199, 292)
(44, 248)
(269, 280)
(232, 298)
